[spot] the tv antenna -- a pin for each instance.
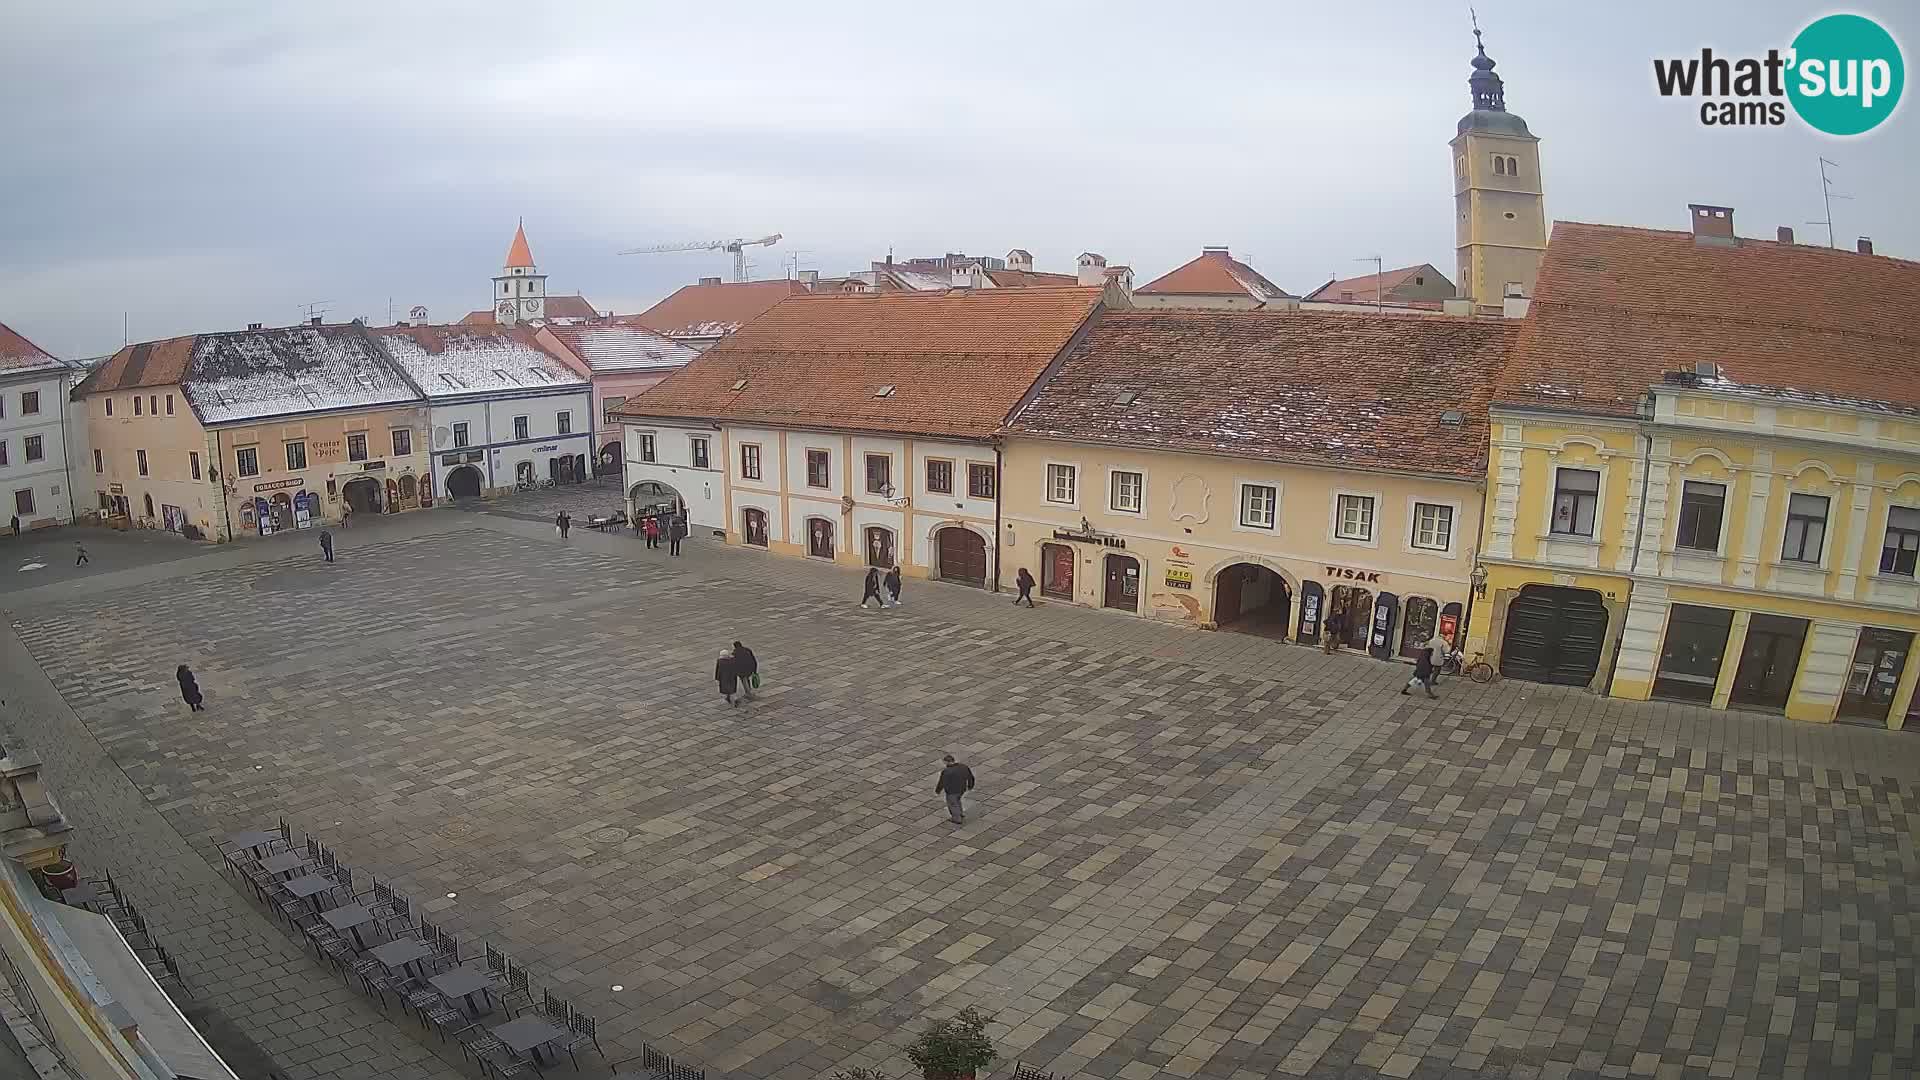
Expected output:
(317, 307)
(1379, 271)
(1827, 196)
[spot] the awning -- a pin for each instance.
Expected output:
(154, 1016)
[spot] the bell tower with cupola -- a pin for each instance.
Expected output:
(520, 292)
(1500, 226)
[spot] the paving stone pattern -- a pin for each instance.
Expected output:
(1191, 854)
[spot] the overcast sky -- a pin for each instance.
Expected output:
(199, 166)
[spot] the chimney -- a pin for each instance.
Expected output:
(1864, 245)
(1712, 225)
(1093, 269)
(315, 321)
(253, 326)
(1786, 234)
(962, 277)
(709, 281)
(809, 278)
(1456, 305)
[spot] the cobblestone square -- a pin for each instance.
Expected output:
(1190, 854)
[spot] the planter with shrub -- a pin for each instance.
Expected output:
(955, 1048)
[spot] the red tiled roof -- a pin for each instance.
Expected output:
(147, 363)
(958, 362)
(1027, 279)
(1214, 273)
(519, 254)
(17, 353)
(557, 307)
(1363, 288)
(713, 310)
(1331, 388)
(1615, 308)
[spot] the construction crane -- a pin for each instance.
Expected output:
(737, 248)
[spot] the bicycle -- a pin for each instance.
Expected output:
(524, 485)
(545, 484)
(1478, 670)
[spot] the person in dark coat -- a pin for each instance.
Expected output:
(676, 532)
(326, 544)
(80, 554)
(1426, 666)
(871, 590)
(955, 780)
(1025, 581)
(563, 523)
(727, 675)
(16, 524)
(189, 689)
(892, 581)
(1334, 629)
(747, 667)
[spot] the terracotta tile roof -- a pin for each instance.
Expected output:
(557, 307)
(19, 354)
(1326, 388)
(519, 254)
(1615, 308)
(610, 347)
(1027, 279)
(1363, 288)
(958, 361)
(1214, 273)
(146, 363)
(713, 310)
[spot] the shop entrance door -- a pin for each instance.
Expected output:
(1768, 662)
(1056, 571)
(1123, 583)
(1878, 662)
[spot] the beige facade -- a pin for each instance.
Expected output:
(149, 460)
(1223, 542)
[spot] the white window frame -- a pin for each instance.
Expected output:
(1240, 507)
(806, 468)
(759, 463)
(1047, 486)
(647, 445)
(1886, 526)
(1599, 502)
(1678, 500)
(1333, 519)
(699, 446)
(521, 423)
(1414, 503)
(1826, 533)
(462, 435)
(1139, 510)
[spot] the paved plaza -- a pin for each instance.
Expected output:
(1190, 854)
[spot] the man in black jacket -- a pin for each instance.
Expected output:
(746, 667)
(955, 780)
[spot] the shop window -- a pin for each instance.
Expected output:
(1354, 518)
(357, 446)
(520, 427)
(939, 476)
(819, 469)
(246, 461)
(1703, 507)
(1902, 547)
(980, 481)
(402, 442)
(698, 445)
(1127, 494)
(1432, 526)
(1806, 529)
(1576, 496)
(1259, 505)
(296, 456)
(750, 462)
(1690, 657)
(1061, 484)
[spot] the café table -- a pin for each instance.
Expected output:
(254, 839)
(310, 886)
(285, 862)
(463, 983)
(528, 1034)
(349, 917)
(400, 954)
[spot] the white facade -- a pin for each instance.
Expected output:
(660, 456)
(513, 439)
(35, 430)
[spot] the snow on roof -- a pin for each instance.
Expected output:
(253, 374)
(19, 354)
(453, 361)
(611, 348)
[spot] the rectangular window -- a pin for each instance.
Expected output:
(566, 422)
(99, 463)
(980, 483)
(140, 460)
(1902, 548)
(608, 405)
(647, 452)
(23, 501)
(357, 446)
(1702, 507)
(109, 406)
(699, 444)
(1354, 519)
(296, 456)
(460, 435)
(1061, 483)
(1806, 529)
(153, 404)
(169, 404)
(3, 451)
(193, 463)
(879, 474)
(136, 405)
(750, 462)
(246, 461)
(1126, 492)
(30, 403)
(402, 441)
(35, 448)
(1576, 496)
(819, 469)
(1432, 526)
(1259, 505)
(520, 427)
(105, 503)
(939, 476)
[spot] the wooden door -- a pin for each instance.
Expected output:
(879, 547)
(1123, 583)
(1768, 662)
(963, 556)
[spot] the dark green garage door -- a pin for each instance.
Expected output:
(1554, 635)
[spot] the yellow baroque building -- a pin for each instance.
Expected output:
(1704, 475)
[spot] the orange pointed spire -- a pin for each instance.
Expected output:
(520, 254)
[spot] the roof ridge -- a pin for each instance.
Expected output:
(1730, 318)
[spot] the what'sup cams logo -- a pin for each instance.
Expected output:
(1842, 75)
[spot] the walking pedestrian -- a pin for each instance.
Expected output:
(326, 544)
(80, 554)
(871, 589)
(562, 522)
(653, 531)
(955, 780)
(892, 581)
(1426, 666)
(1025, 581)
(727, 675)
(346, 515)
(676, 532)
(189, 689)
(1336, 625)
(747, 667)
(16, 524)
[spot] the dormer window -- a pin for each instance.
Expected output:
(885, 391)
(739, 385)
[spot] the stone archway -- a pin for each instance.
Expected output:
(464, 482)
(1250, 598)
(362, 493)
(653, 497)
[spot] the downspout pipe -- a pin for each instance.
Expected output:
(1639, 536)
(999, 490)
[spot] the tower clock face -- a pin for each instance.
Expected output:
(530, 306)
(505, 307)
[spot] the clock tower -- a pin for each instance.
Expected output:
(1500, 221)
(520, 292)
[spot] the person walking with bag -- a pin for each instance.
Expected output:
(871, 589)
(955, 780)
(728, 676)
(1426, 667)
(1025, 581)
(892, 582)
(747, 667)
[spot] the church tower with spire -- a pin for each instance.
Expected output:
(520, 292)
(1500, 227)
